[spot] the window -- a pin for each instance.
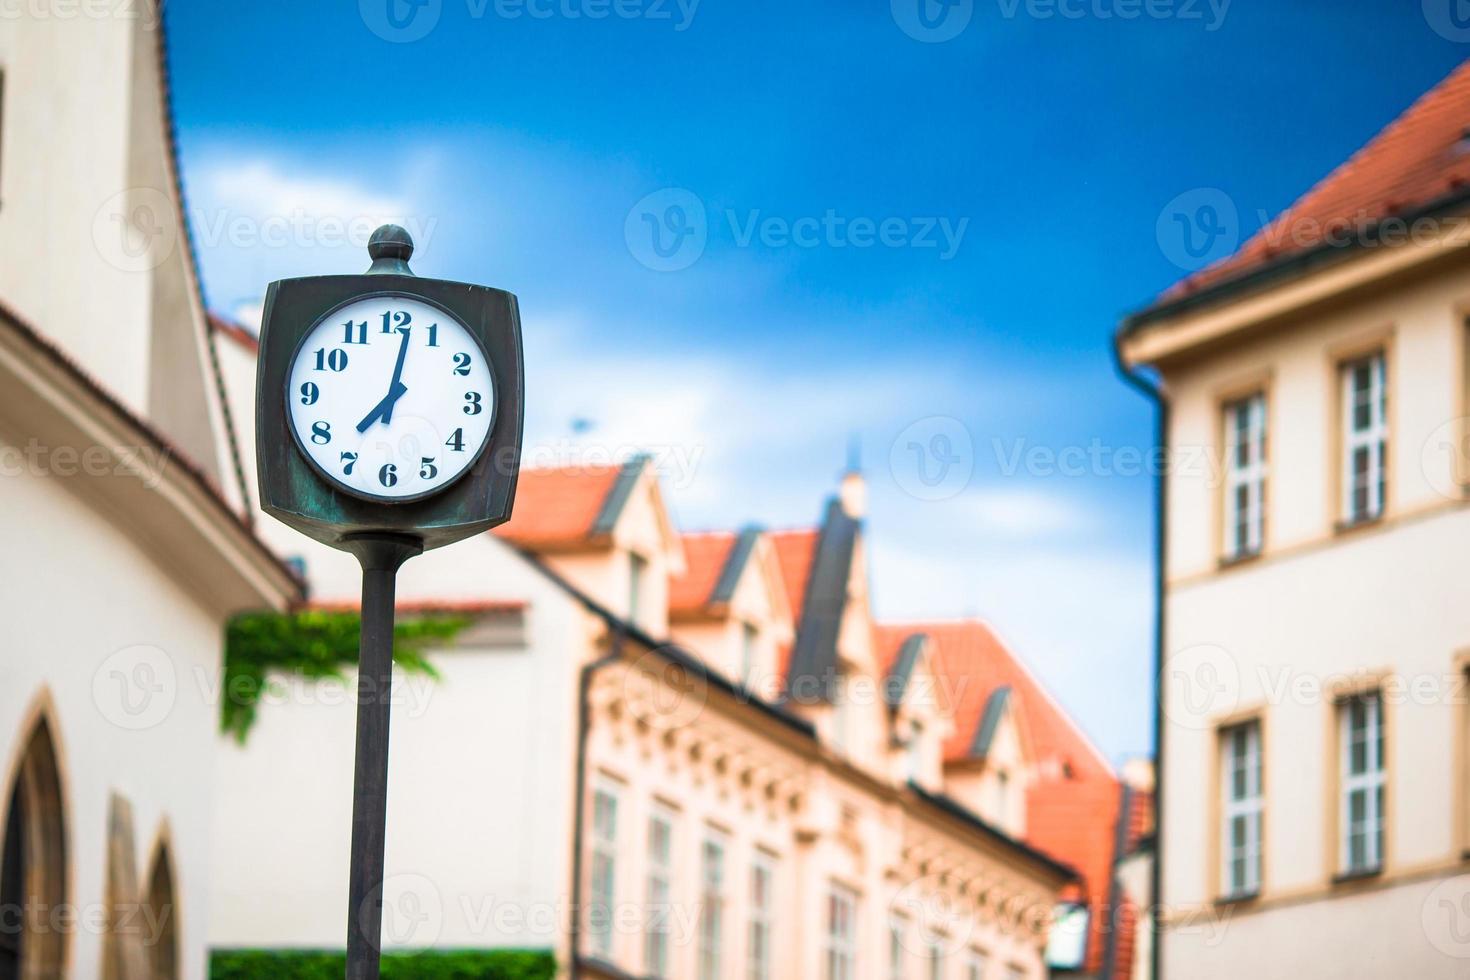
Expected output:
(1365, 437)
(1360, 815)
(936, 959)
(975, 963)
(1003, 797)
(1014, 972)
(762, 882)
(660, 876)
(749, 637)
(637, 567)
(896, 929)
(1245, 476)
(915, 759)
(841, 940)
(604, 868)
(712, 906)
(1240, 835)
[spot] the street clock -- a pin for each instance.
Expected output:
(387, 422)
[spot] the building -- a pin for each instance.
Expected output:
(693, 755)
(1313, 730)
(127, 544)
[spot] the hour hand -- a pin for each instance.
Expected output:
(384, 408)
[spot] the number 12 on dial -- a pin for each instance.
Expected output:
(390, 398)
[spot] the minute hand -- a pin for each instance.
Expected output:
(396, 390)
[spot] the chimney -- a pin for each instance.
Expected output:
(853, 492)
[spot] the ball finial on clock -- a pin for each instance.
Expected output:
(390, 247)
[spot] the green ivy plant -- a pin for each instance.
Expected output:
(311, 643)
(462, 964)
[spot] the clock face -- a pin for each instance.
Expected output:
(390, 398)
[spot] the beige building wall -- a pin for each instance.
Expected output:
(1321, 613)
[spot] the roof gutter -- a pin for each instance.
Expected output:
(1150, 390)
(1291, 266)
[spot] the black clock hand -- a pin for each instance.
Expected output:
(396, 390)
(396, 384)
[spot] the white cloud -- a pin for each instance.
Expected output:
(1023, 513)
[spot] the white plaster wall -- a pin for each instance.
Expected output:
(479, 787)
(76, 592)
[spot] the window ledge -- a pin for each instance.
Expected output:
(1244, 558)
(1350, 877)
(1240, 898)
(1357, 524)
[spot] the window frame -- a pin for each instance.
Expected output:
(659, 876)
(898, 928)
(1250, 477)
(1250, 808)
(602, 885)
(977, 961)
(839, 946)
(712, 899)
(1374, 439)
(1372, 782)
(760, 927)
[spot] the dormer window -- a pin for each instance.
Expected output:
(915, 758)
(637, 568)
(749, 638)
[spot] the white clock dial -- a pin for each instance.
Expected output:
(391, 398)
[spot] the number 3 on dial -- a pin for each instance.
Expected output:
(390, 398)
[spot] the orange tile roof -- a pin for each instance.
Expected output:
(705, 556)
(795, 552)
(1417, 159)
(557, 506)
(1072, 805)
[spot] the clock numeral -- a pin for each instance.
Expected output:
(310, 393)
(321, 433)
(462, 364)
(351, 460)
(427, 469)
(354, 333)
(388, 475)
(393, 319)
(433, 335)
(474, 407)
(336, 360)
(456, 441)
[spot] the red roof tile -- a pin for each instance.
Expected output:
(705, 556)
(1415, 160)
(557, 506)
(1072, 804)
(795, 552)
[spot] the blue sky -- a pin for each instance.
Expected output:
(915, 230)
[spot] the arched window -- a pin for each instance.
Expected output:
(161, 923)
(33, 874)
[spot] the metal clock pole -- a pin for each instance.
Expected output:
(381, 555)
